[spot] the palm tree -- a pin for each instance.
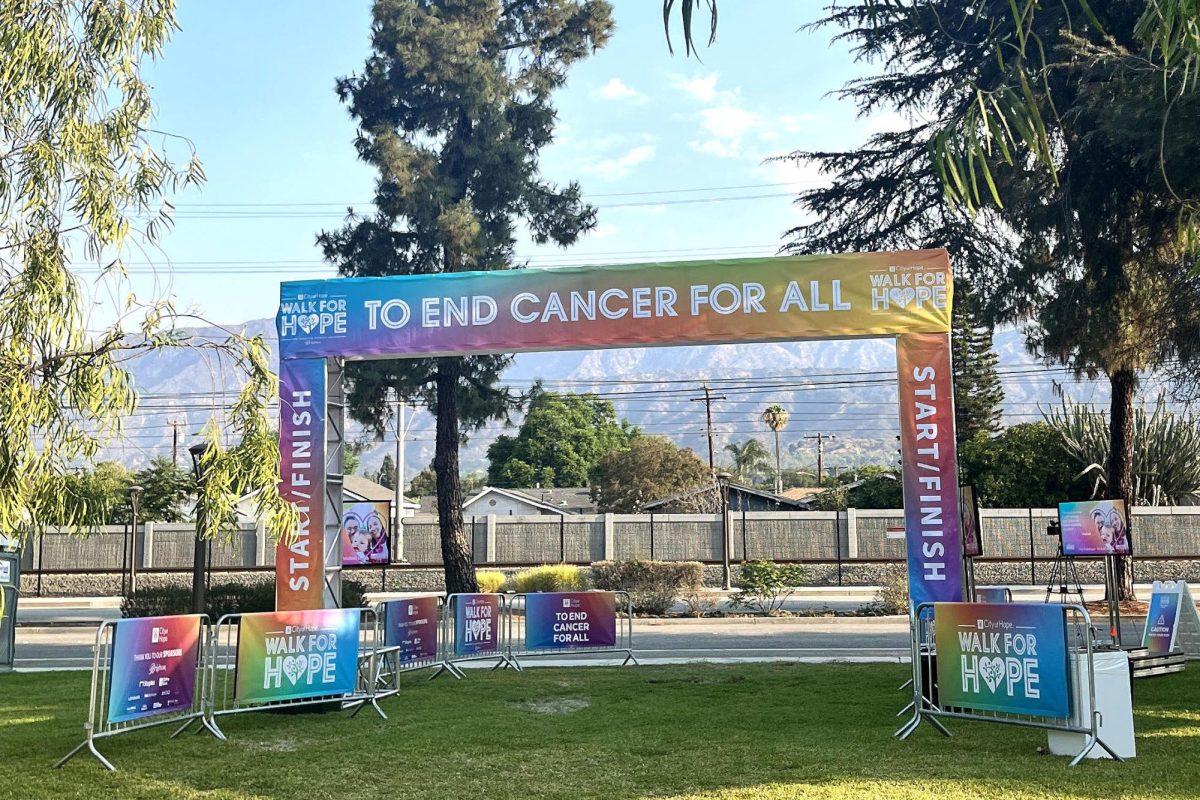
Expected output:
(776, 418)
(748, 457)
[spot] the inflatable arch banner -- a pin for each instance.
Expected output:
(906, 295)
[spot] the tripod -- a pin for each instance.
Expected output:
(1064, 575)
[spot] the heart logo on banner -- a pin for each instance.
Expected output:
(293, 667)
(992, 670)
(309, 321)
(902, 297)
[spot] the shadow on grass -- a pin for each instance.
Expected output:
(712, 731)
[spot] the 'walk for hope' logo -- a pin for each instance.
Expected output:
(312, 315)
(301, 654)
(1002, 659)
(904, 287)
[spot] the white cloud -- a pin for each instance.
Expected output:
(618, 90)
(728, 126)
(604, 231)
(703, 89)
(619, 167)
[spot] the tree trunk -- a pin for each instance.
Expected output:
(778, 467)
(456, 546)
(1120, 464)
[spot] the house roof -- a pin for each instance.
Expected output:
(733, 487)
(369, 491)
(523, 496)
(575, 499)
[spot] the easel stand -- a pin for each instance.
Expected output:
(1112, 591)
(1064, 575)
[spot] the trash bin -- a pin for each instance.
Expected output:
(10, 581)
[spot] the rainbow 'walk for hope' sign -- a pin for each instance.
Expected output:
(567, 620)
(292, 655)
(1010, 658)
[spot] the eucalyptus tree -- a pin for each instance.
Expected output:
(83, 178)
(453, 107)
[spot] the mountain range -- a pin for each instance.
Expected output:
(842, 389)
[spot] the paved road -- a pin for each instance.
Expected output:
(69, 647)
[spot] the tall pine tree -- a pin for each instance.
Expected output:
(977, 390)
(1088, 256)
(453, 107)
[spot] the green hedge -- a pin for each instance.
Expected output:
(550, 578)
(221, 599)
(653, 586)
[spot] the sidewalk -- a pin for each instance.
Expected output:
(91, 611)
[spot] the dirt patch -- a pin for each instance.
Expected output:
(274, 746)
(555, 705)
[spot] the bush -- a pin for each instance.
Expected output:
(653, 586)
(702, 602)
(490, 580)
(892, 596)
(765, 586)
(550, 578)
(221, 599)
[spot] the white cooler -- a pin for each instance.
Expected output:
(1113, 701)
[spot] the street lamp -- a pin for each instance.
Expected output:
(135, 505)
(723, 479)
(199, 550)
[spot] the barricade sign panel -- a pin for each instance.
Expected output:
(291, 655)
(154, 662)
(411, 627)
(1010, 658)
(569, 620)
(1171, 620)
(993, 594)
(1007, 664)
(146, 671)
(476, 624)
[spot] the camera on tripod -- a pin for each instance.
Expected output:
(1054, 529)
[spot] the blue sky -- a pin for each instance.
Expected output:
(251, 84)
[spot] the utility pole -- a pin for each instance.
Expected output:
(820, 437)
(174, 443)
(402, 427)
(708, 401)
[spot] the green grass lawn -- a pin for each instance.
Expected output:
(753, 731)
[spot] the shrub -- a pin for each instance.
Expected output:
(892, 596)
(221, 599)
(550, 578)
(766, 586)
(653, 586)
(702, 602)
(490, 580)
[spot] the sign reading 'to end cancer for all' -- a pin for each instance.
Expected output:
(292, 655)
(1010, 658)
(153, 666)
(568, 620)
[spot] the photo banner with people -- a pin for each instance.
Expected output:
(1094, 528)
(365, 533)
(907, 295)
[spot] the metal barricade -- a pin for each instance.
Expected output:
(993, 594)
(8, 628)
(453, 651)
(391, 659)
(98, 724)
(520, 645)
(222, 670)
(1080, 637)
